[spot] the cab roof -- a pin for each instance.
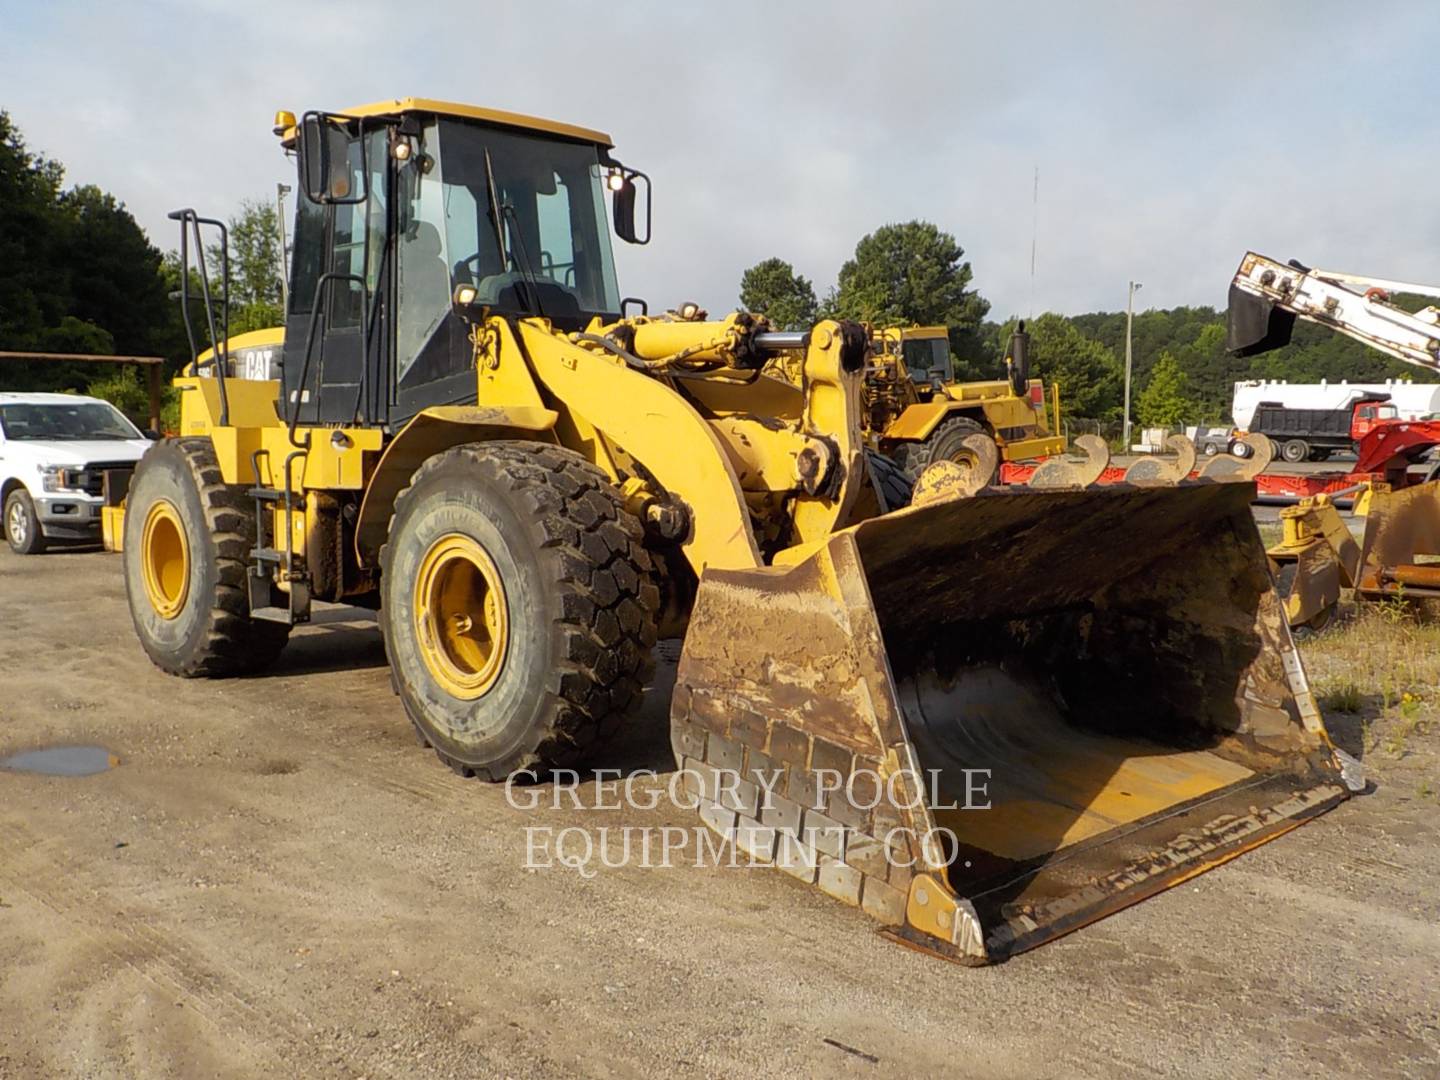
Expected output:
(396, 106)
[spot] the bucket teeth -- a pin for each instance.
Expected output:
(1058, 472)
(1229, 467)
(1164, 472)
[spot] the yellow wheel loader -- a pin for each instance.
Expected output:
(533, 478)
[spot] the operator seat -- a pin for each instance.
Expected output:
(423, 272)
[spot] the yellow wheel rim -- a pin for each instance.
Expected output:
(165, 559)
(461, 618)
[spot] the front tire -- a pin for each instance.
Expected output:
(188, 537)
(519, 607)
(22, 524)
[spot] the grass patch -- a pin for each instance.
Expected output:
(1377, 681)
(1344, 696)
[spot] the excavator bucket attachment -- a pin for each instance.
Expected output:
(990, 720)
(1255, 325)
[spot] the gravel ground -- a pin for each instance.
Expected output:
(276, 881)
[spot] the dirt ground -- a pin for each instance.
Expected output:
(277, 881)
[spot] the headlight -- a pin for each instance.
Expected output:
(52, 478)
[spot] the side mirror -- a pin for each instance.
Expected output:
(153, 435)
(331, 157)
(622, 183)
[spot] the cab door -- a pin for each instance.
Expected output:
(336, 344)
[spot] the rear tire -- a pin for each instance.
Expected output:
(519, 607)
(1211, 449)
(22, 524)
(188, 537)
(946, 443)
(1295, 451)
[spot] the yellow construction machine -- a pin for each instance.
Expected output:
(918, 413)
(1396, 558)
(533, 478)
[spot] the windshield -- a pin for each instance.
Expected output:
(62, 420)
(556, 241)
(924, 355)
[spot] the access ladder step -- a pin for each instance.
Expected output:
(267, 554)
(272, 614)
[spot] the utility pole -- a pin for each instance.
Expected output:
(1129, 323)
(281, 190)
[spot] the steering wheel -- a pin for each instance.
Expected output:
(471, 265)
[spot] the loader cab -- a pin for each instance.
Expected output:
(403, 201)
(926, 352)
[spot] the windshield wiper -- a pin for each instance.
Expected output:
(497, 219)
(525, 267)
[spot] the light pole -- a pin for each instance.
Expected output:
(1129, 323)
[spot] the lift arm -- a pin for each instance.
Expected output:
(1267, 296)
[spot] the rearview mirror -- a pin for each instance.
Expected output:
(623, 205)
(332, 161)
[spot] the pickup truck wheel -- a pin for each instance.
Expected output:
(1295, 451)
(1211, 449)
(188, 537)
(22, 525)
(518, 605)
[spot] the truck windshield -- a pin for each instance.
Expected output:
(61, 420)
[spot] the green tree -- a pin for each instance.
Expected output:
(1164, 401)
(255, 283)
(772, 288)
(911, 274)
(116, 280)
(1087, 372)
(77, 273)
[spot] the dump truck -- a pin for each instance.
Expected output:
(918, 412)
(1314, 434)
(533, 479)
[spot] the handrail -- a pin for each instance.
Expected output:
(190, 223)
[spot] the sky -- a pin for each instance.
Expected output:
(1170, 137)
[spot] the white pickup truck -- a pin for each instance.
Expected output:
(55, 450)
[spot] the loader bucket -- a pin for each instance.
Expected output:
(1254, 325)
(1402, 527)
(988, 721)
